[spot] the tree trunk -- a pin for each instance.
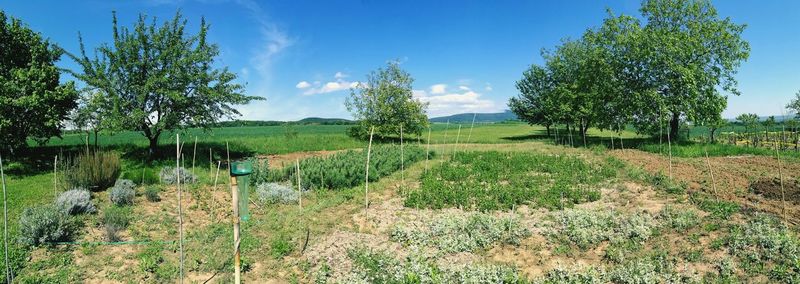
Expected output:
(674, 125)
(153, 145)
(548, 129)
(712, 134)
(95, 139)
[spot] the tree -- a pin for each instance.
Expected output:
(689, 54)
(534, 104)
(768, 124)
(386, 102)
(161, 78)
(92, 114)
(794, 105)
(749, 120)
(713, 126)
(33, 102)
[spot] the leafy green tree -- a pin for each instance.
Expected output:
(33, 103)
(794, 104)
(750, 121)
(768, 123)
(161, 78)
(386, 102)
(534, 103)
(92, 114)
(690, 52)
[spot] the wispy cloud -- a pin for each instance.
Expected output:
(438, 89)
(274, 40)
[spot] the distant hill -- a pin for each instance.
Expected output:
(304, 121)
(480, 117)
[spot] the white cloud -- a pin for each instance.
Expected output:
(340, 75)
(463, 101)
(488, 87)
(302, 85)
(464, 88)
(438, 89)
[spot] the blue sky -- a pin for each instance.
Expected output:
(302, 56)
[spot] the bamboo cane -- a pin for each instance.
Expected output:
(711, 172)
(428, 149)
(402, 164)
(299, 186)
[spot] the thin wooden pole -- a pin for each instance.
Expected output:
(55, 175)
(180, 208)
(446, 128)
(455, 147)
(194, 153)
(210, 161)
(711, 172)
(299, 186)
(234, 186)
(9, 277)
(780, 175)
(469, 136)
(621, 144)
(402, 163)
(669, 145)
(366, 173)
(216, 178)
(428, 149)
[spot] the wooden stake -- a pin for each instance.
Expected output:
(55, 175)
(180, 208)
(621, 145)
(299, 186)
(210, 161)
(366, 173)
(446, 128)
(428, 149)
(669, 145)
(234, 186)
(783, 192)
(455, 147)
(469, 136)
(216, 177)
(711, 171)
(194, 153)
(402, 163)
(9, 277)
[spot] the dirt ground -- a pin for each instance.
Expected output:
(747, 180)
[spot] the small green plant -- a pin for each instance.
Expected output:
(123, 192)
(143, 176)
(45, 224)
(766, 245)
(151, 193)
(586, 228)
(116, 219)
(280, 246)
(75, 201)
(679, 219)
(721, 209)
(95, 171)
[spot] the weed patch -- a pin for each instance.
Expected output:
(459, 233)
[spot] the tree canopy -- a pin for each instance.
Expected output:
(665, 69)
(385, 101)
(33, 102)
(160, 78)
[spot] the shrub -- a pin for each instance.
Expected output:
(563, 276)
(115, 219)
(459, 232)
(280, 247)
(75, 201)
(123, 192)
(169, 175)
(276, 193)
(151, 193)
(45, 224)
(95, 171)
(260, 171)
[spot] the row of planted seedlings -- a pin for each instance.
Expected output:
(341, 170)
